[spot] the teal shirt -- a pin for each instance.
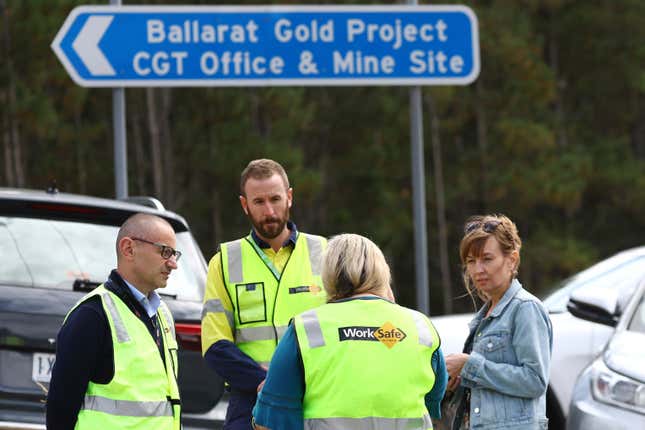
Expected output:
(279, 404)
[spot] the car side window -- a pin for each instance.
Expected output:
(637, 323)
(615, 273)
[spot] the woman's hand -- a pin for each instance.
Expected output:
(454, 364)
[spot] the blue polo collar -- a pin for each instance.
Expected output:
(150, 303)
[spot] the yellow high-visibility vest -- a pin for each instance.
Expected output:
(143, 392)
(264, 300)
(367, 365)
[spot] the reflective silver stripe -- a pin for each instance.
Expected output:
(315, 254)
(168, 319)
(215, 306)
(251, 334)
(369, 423)
(128, 408)
(281, 329)
(234, 261)
(312, 329)
(425, 335)
(121, 333)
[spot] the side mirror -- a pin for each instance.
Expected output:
(595, 304)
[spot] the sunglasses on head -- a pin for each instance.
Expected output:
(488, 226)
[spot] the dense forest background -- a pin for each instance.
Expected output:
(552, 133)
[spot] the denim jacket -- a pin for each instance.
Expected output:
(508, 369)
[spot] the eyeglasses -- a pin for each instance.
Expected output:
(165, 251)
(488, 226)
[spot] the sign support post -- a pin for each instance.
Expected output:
(419, 201)
(120, 137)
(419, 198)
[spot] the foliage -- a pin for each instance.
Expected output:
(552, 134)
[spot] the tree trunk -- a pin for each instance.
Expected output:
(11, 134)
(81, 162)
(216, 217)
(258, 118)
(442, 227)
(638, 130)
(155, 143)
(15, 139)
(6, 144)
(482, 139)
(560, 83)
(173, 199)
(139, 155)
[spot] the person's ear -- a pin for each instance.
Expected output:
(513, 258)
(126, 247)
(245, 205)
(289, 197)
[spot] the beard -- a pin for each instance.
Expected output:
(270, 227)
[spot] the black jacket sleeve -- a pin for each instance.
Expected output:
(83, 354)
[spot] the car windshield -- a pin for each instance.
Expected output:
(620, 272)
(54, 254)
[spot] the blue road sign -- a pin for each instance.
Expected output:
(146, 46)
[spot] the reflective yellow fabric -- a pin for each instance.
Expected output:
(139, 395)
(366, 362)
(251, 306)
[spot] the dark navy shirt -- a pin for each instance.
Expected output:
(84, 353)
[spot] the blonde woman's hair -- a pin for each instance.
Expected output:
(353, 264)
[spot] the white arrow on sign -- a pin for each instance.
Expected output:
(86, 45)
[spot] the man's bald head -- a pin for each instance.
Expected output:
(140, 241)
(140, 225)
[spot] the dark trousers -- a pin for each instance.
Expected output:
(240, 411)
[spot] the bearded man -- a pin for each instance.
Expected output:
(255, 285)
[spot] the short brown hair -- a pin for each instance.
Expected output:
(262, 168)
(477, 230)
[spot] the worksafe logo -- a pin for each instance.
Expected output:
(387, 334)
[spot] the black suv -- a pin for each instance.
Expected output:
(54, 248)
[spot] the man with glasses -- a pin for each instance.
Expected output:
(116, 356)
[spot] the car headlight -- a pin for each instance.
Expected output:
(615, 389)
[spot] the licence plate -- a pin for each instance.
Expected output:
(41, 370)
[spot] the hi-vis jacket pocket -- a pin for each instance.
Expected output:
(251, 303)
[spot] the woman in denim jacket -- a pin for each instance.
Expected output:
(502, 376)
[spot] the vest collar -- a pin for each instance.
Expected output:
(118, 286)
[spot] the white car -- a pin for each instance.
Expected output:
(610, 392)
(576, 342)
